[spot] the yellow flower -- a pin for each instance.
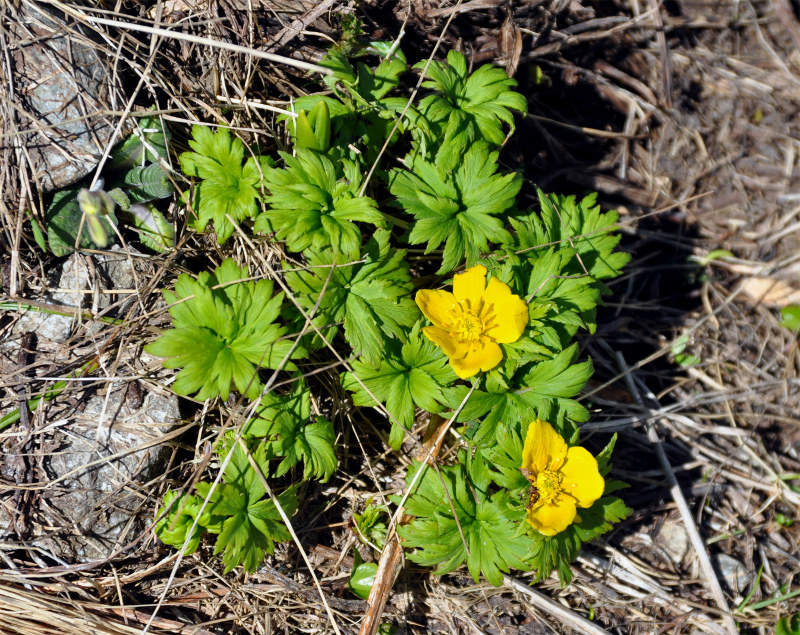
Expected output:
(561, 479)
(469, 323)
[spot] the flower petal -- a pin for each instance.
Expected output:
(438, 306)
(468, 287)
(553, 517)
(505, 314)
(483, 355)
(581, 479)
(544, 448)
(446, 341)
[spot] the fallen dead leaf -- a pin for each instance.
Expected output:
(771, 292)
(510, 41)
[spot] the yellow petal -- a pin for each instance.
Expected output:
(553, 517)
(438, 306)
(581, 479)
(544, 448)
(468, 287)
(482, 355)
(505, 314)
(446, 341)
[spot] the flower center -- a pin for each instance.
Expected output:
(469, 327)
(548, 485)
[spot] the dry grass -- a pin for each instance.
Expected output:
(682, 117)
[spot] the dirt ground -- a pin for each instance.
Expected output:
(683, 115)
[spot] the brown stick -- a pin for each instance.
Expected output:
(389, 564)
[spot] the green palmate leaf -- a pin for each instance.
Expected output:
(551, 553)
(224, 330)
(484, 534)
(252, 525)
(559, 261)
(362, 115)
(371, 296)
(411, 373)
(579, 224)
(240, 473)
(465, 108)
(364, 84)
(278, 415)
(248, 524)
(227, 187)
(458, 208)
(541, 390)
(314, 203)
(283, 421)
(173, 528)
(314, 443)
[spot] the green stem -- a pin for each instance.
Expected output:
(55, 390)
(54, 309)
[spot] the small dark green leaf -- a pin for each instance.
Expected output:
(790, 317)
(362, 578)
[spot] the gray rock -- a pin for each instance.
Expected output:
(62, 84)
(734, 575)
(93, 460)
(674, 540)
(92, 448)
(85, 282)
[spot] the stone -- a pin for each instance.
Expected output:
(91, 449)
(673, 538)
(92, 461)
(84, 282)
(62, 84)
(735, 577)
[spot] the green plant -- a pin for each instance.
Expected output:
(228, 190)
(457, 520)
(314, 203)
(497, 355)
(132, 179)
(411, 374)
(370, 296)
(247, 524)
(371, 523)
(224, 329)
(465, 107)
(789, 625)
(362, 576)
(790, 317)
(283, 423)
(457, 207)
